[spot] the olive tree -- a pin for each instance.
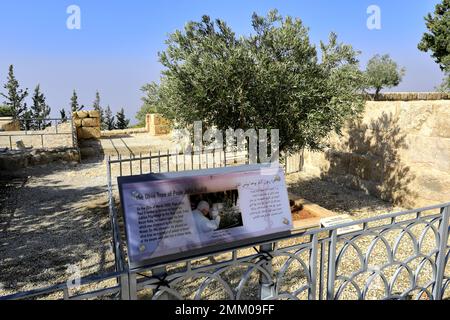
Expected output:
(272, 79)
(383, 72)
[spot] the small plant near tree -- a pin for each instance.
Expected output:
(383, 72)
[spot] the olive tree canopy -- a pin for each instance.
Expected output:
(272, 79)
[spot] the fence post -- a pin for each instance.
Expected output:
(313, 267)
(441, 256)
(267, 286)
(331, 265)
(124, 286)
(132, 285)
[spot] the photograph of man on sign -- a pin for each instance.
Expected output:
(202, 220)
(216, 210)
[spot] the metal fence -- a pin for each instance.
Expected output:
(40, 133)
(401, 255)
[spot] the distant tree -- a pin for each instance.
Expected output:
(383, 72)
(150, 102)
(15, 96)
(96, 106)
(27, 123)
(39, 110)
(121, 121)
(271, 79)
(63, 115)
(74, 103)
(445, 85)
(5, 111)
(109, 119)
(437, 39)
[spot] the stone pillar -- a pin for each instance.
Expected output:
(87, 124)
(148, 119)
(156, 125)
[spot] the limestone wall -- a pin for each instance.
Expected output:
(123, 132)
(87, 124)
(157, 125)
(18, 159)
(398, 151)
(8, 124)
(55, 136)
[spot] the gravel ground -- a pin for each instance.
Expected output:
(54, 220)
(53, 225)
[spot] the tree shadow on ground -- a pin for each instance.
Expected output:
(365, 168)
(382, 142)
(48, 233)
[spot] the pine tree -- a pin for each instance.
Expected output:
(96, 106)
(63, 115)
(26, 123)
(121, 121)
(109, 119)
(437, 40)
(39, 110)
(74, 102)
(15, 96)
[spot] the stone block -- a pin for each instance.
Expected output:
(77, 122)
(83, 114)
(90, 122)
(86, 133)
(94, 114)
(159, 130)
(441, 125)
(9, 124)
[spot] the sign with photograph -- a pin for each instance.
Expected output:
(175, 215)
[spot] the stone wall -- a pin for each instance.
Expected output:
(8, 124)
(18, 159)
(398, 151)
(157, 125)
(87, 124)
(412, 96)
(51, 137)
(122, 132)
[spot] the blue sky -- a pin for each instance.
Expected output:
(116, 49)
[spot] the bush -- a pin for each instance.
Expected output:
(6, 111)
